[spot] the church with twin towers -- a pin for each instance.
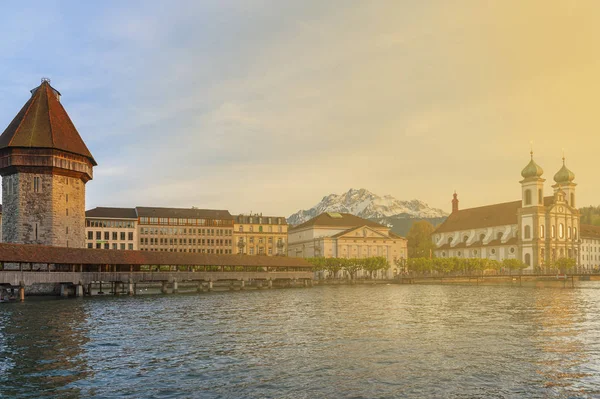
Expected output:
(538, 229)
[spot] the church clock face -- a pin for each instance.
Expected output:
(561, 209)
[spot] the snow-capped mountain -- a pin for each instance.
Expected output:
(363, 203)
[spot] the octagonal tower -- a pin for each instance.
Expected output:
(44, 165)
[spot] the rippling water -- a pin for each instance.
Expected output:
(325, 342)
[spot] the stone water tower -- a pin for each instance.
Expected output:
(44, 165)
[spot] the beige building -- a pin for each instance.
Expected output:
(111, 228)
(342, 235)
(260, 235)
(185, 230)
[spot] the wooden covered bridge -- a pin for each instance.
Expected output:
(23, 266)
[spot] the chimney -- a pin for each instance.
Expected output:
(455, 203)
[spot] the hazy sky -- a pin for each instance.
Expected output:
(270, 105)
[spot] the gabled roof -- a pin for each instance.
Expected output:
(485, 216)
(347, 220)
(44, 123)
(111, 213)
(184, 213)
(590, 231)
(350, 230)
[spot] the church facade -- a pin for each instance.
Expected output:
(537, 229)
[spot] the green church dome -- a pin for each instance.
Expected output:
(564, 175)
(532, 169)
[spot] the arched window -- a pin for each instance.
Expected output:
(561, 231)
(527, 232)
(499, 236)
(573, 200)
(482, 237)
(528, 259)
(528, 197)
(465, 238)
(575, 232)
(569, 232)
(540, 197)
(449, 240)
(542, 231)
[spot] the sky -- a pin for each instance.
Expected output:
(267, 106)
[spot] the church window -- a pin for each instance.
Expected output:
(527, 197)
(67, 229)
(540, 197)
(573, 200)
(528, 259)
(499, 236)
(465, 238)
(575, 232)
(542, 231)
(561, 230)
(459, 254)
(493, 251)
(449, 240)
(67, 197)
(512, 250)
(527, 232)
(569, 232)
(482, 237)
(553, 235)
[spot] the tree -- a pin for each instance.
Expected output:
(419, 240)
(565, 264)
(352, 266)
(513, 264)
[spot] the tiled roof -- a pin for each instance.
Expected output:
(485, 216)
(44, 123)
(61, 255)
(245, 219)
(332, 220)
(590, 231)
(111, 213)
(184, 213)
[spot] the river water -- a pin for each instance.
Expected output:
(392, 341)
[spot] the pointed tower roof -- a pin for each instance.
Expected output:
(44, 123)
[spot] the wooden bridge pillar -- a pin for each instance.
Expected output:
(79, 290)
(64, 292)
(175, 287)
(210, 285)
(22, 292)
(163, 289)
(131, 288)
(243, 286)
(270, 283)
(259, 284)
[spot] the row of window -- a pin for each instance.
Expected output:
(185, 241)
(185, 231)
(260, 220)
(260, 229)
(260, 251)
(107, 235)
(260, 240)
(185, 222)
(119, 224)
(107, 246)
(191, 250)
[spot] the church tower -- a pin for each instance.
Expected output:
(44, 165)
(531, 214)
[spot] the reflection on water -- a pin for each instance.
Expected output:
(337, 341)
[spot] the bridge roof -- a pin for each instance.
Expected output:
(23, 253)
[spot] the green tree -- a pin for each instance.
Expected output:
(565, 265)
(513, 264)
(420, 244)
(352, 266)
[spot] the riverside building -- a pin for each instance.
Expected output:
(537, 229)
(185, 230)
(260, 235)
(44, 165)
(343, 235)
(111, 228)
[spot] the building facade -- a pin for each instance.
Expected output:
(260, 235)
(185, 230)
(44, 165)
(111, 228)
(343, 235)
(537, 229)
(590, 247)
